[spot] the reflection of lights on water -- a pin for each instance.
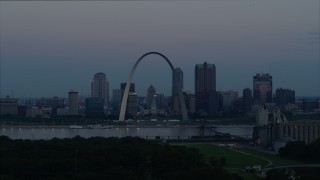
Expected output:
(19, 129)
(117, 129)
(11, 129)
(52, 129)
(138, 132)
(4, 129)
(127, 129)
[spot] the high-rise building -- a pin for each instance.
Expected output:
(227, 100)
(132, 104)
(150, 95)
(73, 103)
(205, 88)
(160, 101)
(116, 99)
(153, 106)
(284, 97)
(177, 81)
(100, 87)
(131, 89)
(190, 100)
(132, 101)
(262, 88)
(247, 100)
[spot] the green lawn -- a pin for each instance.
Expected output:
(275, 159)
(237, 160)
(234, 159)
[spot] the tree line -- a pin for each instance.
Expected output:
(299, 150)
(103, 158)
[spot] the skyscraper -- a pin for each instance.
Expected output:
(205, 88)
(284, 97)
(227, 100)
(247, 100)
(73, 103)
(116, 100)
(262, 88)
(131, 88)
(150, 95)
(132, 101)
(177, 81)
(100, 87)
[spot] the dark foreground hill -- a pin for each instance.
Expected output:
(102, 158)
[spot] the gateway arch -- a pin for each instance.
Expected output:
(126, 91)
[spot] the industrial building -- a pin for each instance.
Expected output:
(272, 128)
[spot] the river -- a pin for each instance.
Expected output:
(143, 132)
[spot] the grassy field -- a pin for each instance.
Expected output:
(239, 160)
(275, 159)
(236, 160)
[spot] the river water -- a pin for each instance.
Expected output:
(143, 132)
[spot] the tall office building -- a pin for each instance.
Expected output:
(116, 97)
(177, 81)
(227, 100)
(160, 101)
(131, 88)
(205, 88)
(73, 103)
(132, 104)
(247, 100)
(284, 97)
(100, 87)
(150, 96)
(132, 101)
(262, 88)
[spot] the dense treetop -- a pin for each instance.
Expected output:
(102, 158)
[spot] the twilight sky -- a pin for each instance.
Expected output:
(49, 48)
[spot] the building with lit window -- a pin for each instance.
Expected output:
(262, 89)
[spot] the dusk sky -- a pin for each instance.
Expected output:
(49, 48)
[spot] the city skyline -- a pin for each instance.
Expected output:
(50, 53)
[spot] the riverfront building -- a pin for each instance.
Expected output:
(272, 128)
(8, 106)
